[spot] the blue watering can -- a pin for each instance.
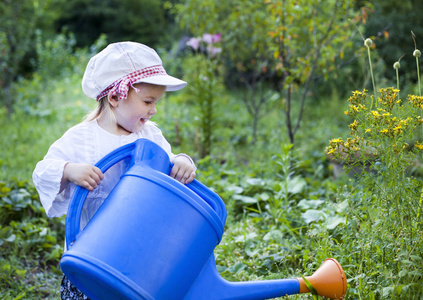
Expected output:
(153, 238)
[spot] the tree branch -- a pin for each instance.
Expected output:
(316, 58)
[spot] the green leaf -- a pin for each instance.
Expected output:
(416, 257)
(387, 291)
(313, 215)
(334, 221)
(245, 199)
(11, 238)
(234, 188)
(20, 272)
(306, 204)
(255, 181)
(296, 185)
(340, 207)
(251, 251)
(275, 235)
(263, 196)
(403, 273)
(236, 268)
(311, 288)
(43, 232)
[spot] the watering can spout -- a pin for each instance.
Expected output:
(329, 281)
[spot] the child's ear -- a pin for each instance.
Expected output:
(113, 99)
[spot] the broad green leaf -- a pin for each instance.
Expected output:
(387, 291)
(263, 196)
(245, 199)
(296, 185)
(255, 181)
(275, 235)
(307, 204)
(334, 221)
(236, 268)
(312, 215)
(252, 251)
(236, 189)
(11, 238)
(340, 207)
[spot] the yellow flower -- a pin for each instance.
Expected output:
(354, 125)
(416, 101)
(398, 128)
(418, 146)
(330, 150)
(375, 113)
(338, 140)
(367, 130)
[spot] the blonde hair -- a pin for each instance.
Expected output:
(103, 107)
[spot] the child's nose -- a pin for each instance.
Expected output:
(153, 110)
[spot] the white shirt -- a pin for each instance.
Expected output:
(86, 142)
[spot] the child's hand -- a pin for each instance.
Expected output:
(182, 170)
(84, 175)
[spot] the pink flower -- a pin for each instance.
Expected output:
(215, 50)
(216, 37)
(208, 38)
(212, 38)
(194, 43)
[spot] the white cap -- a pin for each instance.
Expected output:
(131, 61)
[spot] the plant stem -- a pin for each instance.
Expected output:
(396, 70)
(420, 93)
(373, 78)
(418, 75)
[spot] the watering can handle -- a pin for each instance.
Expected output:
(72, 227)
(75, 206)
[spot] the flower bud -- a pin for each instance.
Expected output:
(397, 65)
(368, 43)
(417, 53)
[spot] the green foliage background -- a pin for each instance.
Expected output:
(289, 207)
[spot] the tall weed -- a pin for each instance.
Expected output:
(385, 203)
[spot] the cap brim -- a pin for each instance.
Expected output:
(171, 83)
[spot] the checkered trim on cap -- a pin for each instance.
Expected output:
(121, 86)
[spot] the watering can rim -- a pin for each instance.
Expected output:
(113, 275)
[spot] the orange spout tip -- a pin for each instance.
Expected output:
(329, 280)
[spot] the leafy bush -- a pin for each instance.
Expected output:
(27, 234)
(387, 199)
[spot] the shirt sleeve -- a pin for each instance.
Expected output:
(48, 173)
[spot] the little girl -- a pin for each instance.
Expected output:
(127, 79)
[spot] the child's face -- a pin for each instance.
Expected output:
(132, 112)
